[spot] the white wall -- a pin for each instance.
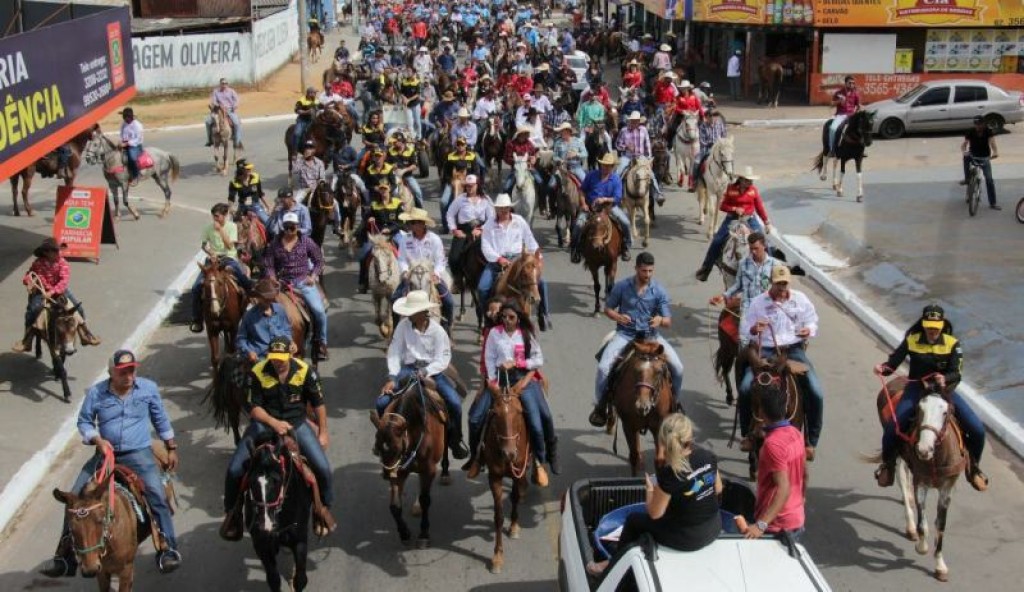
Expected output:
(275, 40)
(862, 53)
(191, 61)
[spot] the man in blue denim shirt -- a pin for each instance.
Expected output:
(264, 321)
(116, 415)
(639, 306)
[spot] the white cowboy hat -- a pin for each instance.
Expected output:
(422, 49)
(543, 67)
(668, 74)
(503, 200)
(443, 39)
(523, 130)
(565, 125)
(469, 180)
(633, 63)
(748, 173)
(634, 116)
(685, 84)
(608, 159)
(416, 301)
(665, 47)
(463, 112)
(417, 215)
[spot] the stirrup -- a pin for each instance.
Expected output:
(885, 475)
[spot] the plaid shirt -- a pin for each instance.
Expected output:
(752, 279)
(293, 266)
(711, 132)
(308, 173)
(54, 275)
(634, 142)
(556, 117)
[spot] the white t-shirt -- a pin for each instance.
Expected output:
(732, 68)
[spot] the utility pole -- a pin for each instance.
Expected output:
(303, 50)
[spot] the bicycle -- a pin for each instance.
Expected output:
(974, 178)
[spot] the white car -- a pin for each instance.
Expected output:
(579, 62)
(946, 105)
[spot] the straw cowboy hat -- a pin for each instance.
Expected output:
(634, 116)
(665, 47)
(565, 125)
(416, 301)
(503, 200)
(608, 159)
(522, 130)
(448, 96)
(748, 173)
(543, 67)
(416, 215)
(463, 112)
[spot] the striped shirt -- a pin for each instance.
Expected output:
(292, 267)
(634, 142)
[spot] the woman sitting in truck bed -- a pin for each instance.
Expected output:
(682, 505)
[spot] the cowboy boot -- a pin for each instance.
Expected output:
(65, 564)
(885, 474)
(231, 527)
(25, 343)
(552, 450)
(456, 445)
(975, 477)
(599, 416)
(86, 336)
(540, 476)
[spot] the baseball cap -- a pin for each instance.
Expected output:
(290, 217)
(123, 358)
(780, 273)
(933, 317)
(279, 349)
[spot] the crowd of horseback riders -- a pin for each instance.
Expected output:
(573, 156)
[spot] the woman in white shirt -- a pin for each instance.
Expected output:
(512, 358)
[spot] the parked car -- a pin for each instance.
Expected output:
(579, 62)
(947, 105)
(729, 563)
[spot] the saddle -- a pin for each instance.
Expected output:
(128, 482)
(840, 134)
(324, 522)
(433, 399)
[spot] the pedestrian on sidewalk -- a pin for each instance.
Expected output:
(733, 72)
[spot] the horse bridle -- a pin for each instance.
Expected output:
(647, 360)
(506, 400)
(410, 455)
(105, 535)
(280, 458)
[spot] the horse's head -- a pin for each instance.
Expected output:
(330, 117)
(932, 419)
(524, 275)
(392, 439)
(688, 131)
(649, 373)
(65, 320)
(642, 174)
(90, 518)
(722, 154)
(421, 274)
(862, 122)
(267, 483)
(508, 425)
(212, 285)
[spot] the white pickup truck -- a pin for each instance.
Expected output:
(730, 563)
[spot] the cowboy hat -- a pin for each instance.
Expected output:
(416, 301)
(668, 74)
(634, 116)
(523, 130)
(463, 112)
(48, 244)
(665, 47)
(448, 96)
(565, 125)
(685, 84)
(608, 159)
(485, 76)
(266, 288)
(748, 174)
(503, 200)
(633, 63)
(469, 180)
(543, 67)
(416, 215)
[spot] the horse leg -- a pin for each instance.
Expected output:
(214, 340)
(61, 373)
(636, 461)
(702, 201)
(446, 478)
(395, 506)
(514, 529)
(597, 291)
(945, 497)
(498, 559)
(103, 581)
(14, 194)
(126, 579)
(823, 175)
(647, 224)
(299, 555)
(426, 480)
(921, 499)
(904, 482)
(842, 173)
(860, 181)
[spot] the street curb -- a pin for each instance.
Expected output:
(997, 422)
(24, 482)
(783, 122)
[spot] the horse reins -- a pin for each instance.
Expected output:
(104, 471)
(284, 471)
(400, 464)
(909, 439)
(506, 397)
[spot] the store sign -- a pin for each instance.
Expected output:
(83, 221)
(877, 87)
(729, 11)
(918, 13)
(52, 88)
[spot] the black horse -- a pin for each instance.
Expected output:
(277, 510)
(852, 137)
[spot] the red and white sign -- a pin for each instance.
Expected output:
(83, 221)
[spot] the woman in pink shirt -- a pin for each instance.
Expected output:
(740, 199)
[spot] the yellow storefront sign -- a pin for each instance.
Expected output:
(729, 11)
(918, 13)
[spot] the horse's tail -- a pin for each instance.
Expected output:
(219, 396)
(870, 459)
(819, 162)
(724, 359)
(175, 167)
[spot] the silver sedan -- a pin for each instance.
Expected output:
(947, 105)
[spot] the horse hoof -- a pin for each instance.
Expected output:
(459, 317)
(514, 531)
(446, 479)
(921, 547)
(423, 543)
(729, 399)
(823, 177)
(911, 535)
(839, 193)
(942, 576)
(416, 510)
(496, 566)
(407, 541)
(645, 243)
(860, 199)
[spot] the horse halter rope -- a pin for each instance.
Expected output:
(401, 464)
(646, 360)
(104, 471)
(765, 378)
(280, 458)
(319, 198)
(506, 401)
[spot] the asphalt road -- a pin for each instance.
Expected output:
(854, 528)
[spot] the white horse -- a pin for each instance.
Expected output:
(383, 281)
(714, 181)
(420, 277)
(636, 195)
(684, 149)
(524, 194)
(103, 150)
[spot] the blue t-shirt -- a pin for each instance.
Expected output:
(640, 308)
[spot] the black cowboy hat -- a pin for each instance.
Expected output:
(49, 244)
(284, 192)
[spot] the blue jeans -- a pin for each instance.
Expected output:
(814, 395)
(611, 355)
(973, 428)
(142, 462)
(576, 170)
(309, 446)
(490, 275)
(300, 130)
(311, 294)
(986, 170)
(535, 409)
(197, 287)
(624, 162)
(510, 180)
(415, 115)
(722, 237)
(257, 209)
(414, 186)
(36, 302)
(734, 87)
(445, 388)
(236, 126)
(447, 302)
(133, 153)
(833, 128)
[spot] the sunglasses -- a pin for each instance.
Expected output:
(291, 227)
(933, 316)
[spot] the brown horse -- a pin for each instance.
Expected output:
(493, 147)
(506, 453)
(442, 147)
(223, 305)
(520, 281)
(932, 456)
(57, 326)
(769, 75)
(47, 167)
(411, 439)
(321, 204)
(728, 347)
(566, 202)
(641, 396)
(222, 140)
(470, 270)
(315, 43)
(326, 123)
(772, 373)
(601, 243)
(349, 200)
(252, 239)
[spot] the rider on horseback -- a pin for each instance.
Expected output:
(131, 143)
(520, 145)
(685, 103)
(403, 157)
(741, 199)
(380, 171)
(372, 133)
(246, 186)
(219, 240)
(307, 173)
(295, 260)
(503, 239)
(466, 216)
(286, 204)
(600, 188)
(710, 129)
(847, 102)
(226, 99)
(590, 113)
(639, 306)
(512, 359)
(421, 346)
(305, 110)
(410, 90)
(632, 143)
(936, 357)
(421, 244)
(782, 319)
(54, 275)
(263, 322)
(346, 163)
(383, 217)
(460, 159)
(280, 387)
(570, 151)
